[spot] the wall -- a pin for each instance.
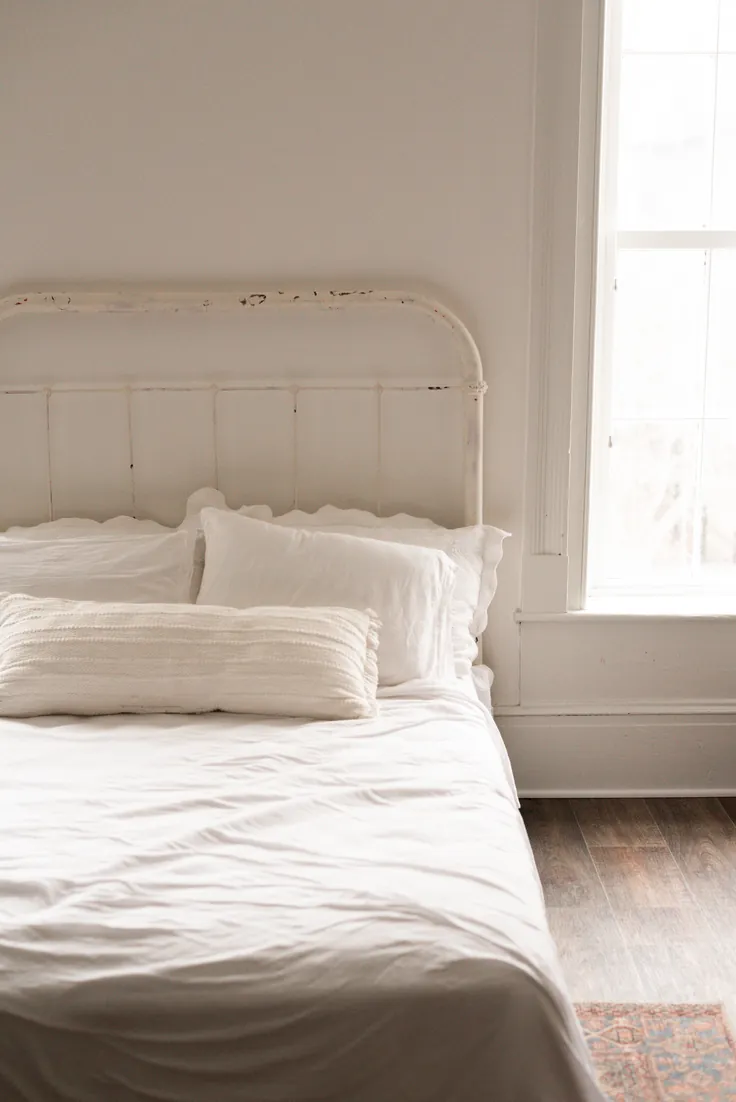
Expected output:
(287, 142)
(428, 143)
(608, 703)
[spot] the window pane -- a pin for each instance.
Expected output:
(727, 28)
(659, 333)
(721, 373)
(719, 500)
(666, 133)
(664, 444)
(651, 501)
(724, 169)
(670, 25)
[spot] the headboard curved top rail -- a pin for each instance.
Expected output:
(172, 301)
(140, 300)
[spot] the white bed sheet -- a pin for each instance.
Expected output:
(222, 908)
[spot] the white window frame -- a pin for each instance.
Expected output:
(567, 266)
(593, 199)
(610, 241)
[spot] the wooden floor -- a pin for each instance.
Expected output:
(641, 896)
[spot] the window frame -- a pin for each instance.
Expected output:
(593, 367)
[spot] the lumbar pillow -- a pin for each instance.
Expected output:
(61, 657)
(251, 562)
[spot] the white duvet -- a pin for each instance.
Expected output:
(270, 910)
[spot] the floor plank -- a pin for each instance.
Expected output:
(664, 928)
(594, 958)
(640, 876)
(702, 839)
(565, 867)
(728, 804)
(674, 953)
(617, 822)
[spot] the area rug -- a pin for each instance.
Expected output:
(652, 1052)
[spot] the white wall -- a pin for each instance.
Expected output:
(391, 141)
(288, 142)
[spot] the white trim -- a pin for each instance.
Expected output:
(642, 708)
(586, 297)
(589, 616)
(175, 301)
(554, 220)
(600, 366)
(627, 755)
(623, 793)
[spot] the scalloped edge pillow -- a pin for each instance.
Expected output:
(250, 562)
(144, 568)
(475, 550)
(122, 527)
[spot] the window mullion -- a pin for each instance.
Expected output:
(676, 239)
(698, 503)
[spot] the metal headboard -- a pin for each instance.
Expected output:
(171, 301)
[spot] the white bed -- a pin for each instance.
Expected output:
(272, 910)
(213, 907)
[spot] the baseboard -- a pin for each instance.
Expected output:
(630, 754)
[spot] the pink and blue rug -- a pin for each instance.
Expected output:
(661, 1053)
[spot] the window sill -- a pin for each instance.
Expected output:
(619, 614)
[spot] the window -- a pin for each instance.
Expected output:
(663, 446)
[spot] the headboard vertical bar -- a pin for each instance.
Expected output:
(379, 449)
(295, 449)
(175, 301)
(473, 476)
(215, 436)
(47, 393)
(131, 456)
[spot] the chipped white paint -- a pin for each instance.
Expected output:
(157, 483)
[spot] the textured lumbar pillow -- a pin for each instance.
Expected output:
(64, 657)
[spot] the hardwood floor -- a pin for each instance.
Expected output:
(641, 896)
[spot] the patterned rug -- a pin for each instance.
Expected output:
(651, 1052)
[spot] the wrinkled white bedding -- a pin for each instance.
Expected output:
(231, 908)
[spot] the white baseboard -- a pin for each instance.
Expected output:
(635, 754)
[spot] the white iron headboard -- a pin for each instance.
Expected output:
(136, 442)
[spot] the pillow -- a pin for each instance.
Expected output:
(83, 527)
(66, 528)
(476, 552)
(129, 568)
(251, 562)
(331, 516)
(83, 658)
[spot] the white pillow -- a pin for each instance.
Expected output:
(115, 527)
(251, 562)
(83, 658)
(126, 568)
(81, 527)
(66, 528)
(476, 552)
(331, 516)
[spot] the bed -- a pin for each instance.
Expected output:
(249, 908)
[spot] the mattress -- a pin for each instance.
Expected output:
(268, 910)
